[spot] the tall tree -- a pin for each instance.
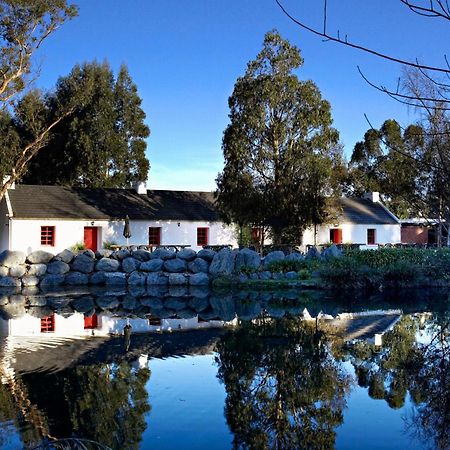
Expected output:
(102, 144)
(280, 149)
(24, 26)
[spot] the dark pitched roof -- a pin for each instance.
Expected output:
(364, 212)
(60, 202)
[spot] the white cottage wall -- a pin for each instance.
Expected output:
(354, 234)
(26, 233)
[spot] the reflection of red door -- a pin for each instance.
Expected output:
(336, 236)
(90, 323)
(90, 238)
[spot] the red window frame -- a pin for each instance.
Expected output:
(154, 321)
(91, 322)
(257, 233)
(202, 236)
(48, 236)
(154, 235)
(48, 324)
(371, 236)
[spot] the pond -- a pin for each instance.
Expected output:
(204, 369)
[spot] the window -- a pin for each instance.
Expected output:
(48, 324)
(336, 235)
(202, 236)
(154, 321)
(257, 233)
(48, 236)
(371, 236)
(154, 236)
(91, 323)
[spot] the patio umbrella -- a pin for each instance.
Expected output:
(126, 228)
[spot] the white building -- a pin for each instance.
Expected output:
(54, 218)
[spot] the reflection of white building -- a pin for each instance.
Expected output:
(103, 324)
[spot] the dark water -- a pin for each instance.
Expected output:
(221, 370)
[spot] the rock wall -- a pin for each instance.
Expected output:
(138, 267)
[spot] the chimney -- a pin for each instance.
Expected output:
(372, 196)
(140, 187)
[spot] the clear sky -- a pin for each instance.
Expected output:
(185, 56)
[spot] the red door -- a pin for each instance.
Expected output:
(336, 236)
(90, 238)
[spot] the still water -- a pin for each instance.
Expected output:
(222, 370)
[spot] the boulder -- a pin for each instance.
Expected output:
(291, 275)
(271, 257)
(223, 262)
(188, 254)
(175, 265)
(332, 252)
(294, 256)
(157, 279)
(253, 276)
(206, 254)
(4, 300)
(242, 278)
(186, 314)
(121, 254)
(89, 252)
(11, 258)
(76, 279)
(247, 258)
(224, 306)
(248, 310)
(107, 302)
(313, 252)
(115, 278)
(37, 269)
(58, 302)
(83, 304)
(65, 256)
(198, 265)
(152, 302)
(174, 303)
(97, 278)
(30, 280)
(107, 265)
(129, 303)
(265, 275)
(52, 280)
(83, 263)
(198, 303)
(58, 268)
(39, 257)
(277, 276)
(4, 271)
(177, 279)
(130, 265)
(178, 291)
(163, 253)
(153, 265)
(37, 300)
(141, 255)
(10, 282)
(199, 279)
(137, 278)
(17, 271)
(199, 291)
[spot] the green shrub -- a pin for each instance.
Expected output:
(286, 265)
(402, 272)
(108, 244)
(304, 274)
(245, 270)
(78, 247)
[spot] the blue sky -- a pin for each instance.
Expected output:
(185, 56)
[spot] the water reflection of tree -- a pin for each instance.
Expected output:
(104, 403)
(284, 388)
(405, 365)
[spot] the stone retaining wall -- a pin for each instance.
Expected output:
(136, 267)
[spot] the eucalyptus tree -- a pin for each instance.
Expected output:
(24, 26)
(280, 149)
(102, 143)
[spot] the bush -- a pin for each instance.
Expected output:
(348, 273)
(284, 265)
(78, 247)
(108, 244)
(402, 272)
(245, 270)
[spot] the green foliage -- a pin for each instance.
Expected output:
(285, 265)
(102, 144)
(282, 160)
(401, 272)
(78, 247)
(246, 270)
(108, 244)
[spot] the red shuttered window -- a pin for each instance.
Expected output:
(48, 324)
(154, 236)
(371, 236)
(202, 236)
(91, 323)
(48, 236)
